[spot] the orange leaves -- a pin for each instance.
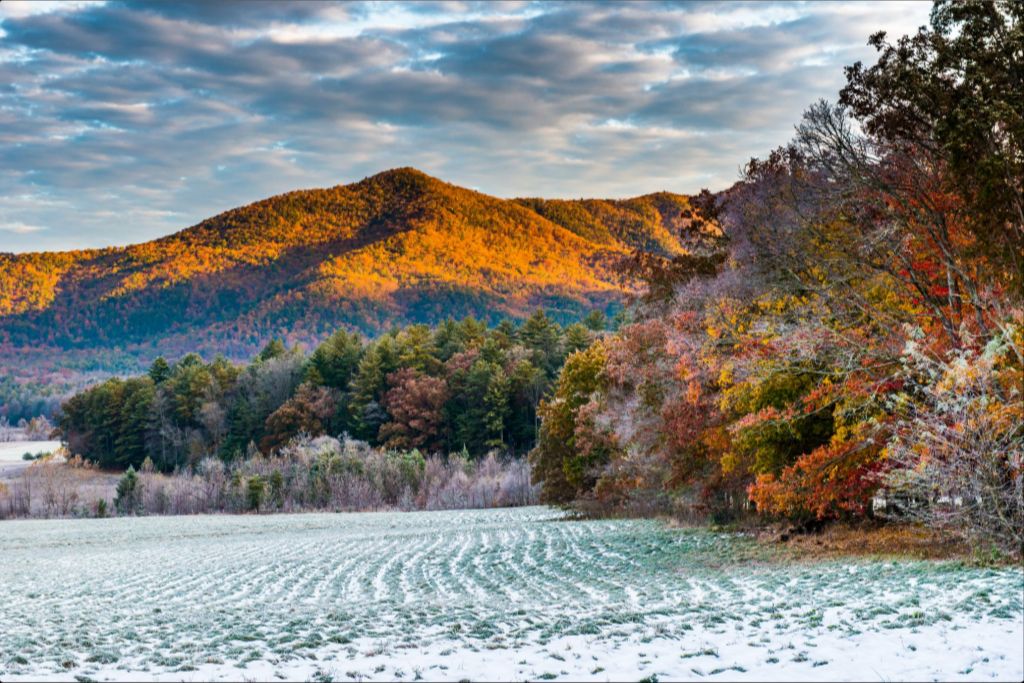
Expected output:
(693, 393)
(832, 480)
(397, 246)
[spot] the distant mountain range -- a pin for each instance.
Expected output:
(395, 248)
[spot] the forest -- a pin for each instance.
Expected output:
(854, 344)
(425, 418)
(457, 388)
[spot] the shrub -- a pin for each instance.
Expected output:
(321, 473)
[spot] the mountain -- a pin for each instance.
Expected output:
(394, 248)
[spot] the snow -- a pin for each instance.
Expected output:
(12, 452)
(507, 594)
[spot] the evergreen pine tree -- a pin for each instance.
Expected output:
(596, 321)
(274, 348)
(254, 491)
(129, 493)
(496, 402)
(160, 370)
(577, 338)
(334, 362)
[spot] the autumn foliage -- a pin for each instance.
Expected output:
(850, 342)
(460, 387)
(399, 247)
(394, 249)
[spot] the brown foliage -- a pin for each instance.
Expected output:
(309, 411)
(416, 405)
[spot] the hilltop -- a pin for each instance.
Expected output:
(394, 248)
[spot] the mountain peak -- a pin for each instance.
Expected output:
(402, 176)
(401, 173)
(399, 246)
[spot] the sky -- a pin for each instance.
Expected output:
(122, 122)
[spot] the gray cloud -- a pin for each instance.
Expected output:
(123, 122)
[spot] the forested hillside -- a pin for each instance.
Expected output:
(397, 248)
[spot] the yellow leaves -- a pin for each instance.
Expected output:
(130, 283)
(29, 282)
(842, 434)
(731, 324)
(819, 275)
(776, 305)
(726, 375)
(729, 462)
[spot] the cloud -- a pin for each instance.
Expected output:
(120, 121)
(19, 228)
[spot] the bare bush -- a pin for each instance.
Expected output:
(53, 487)
(320, 473)
(957, 457)
(39, 429)
(16, 498)
(9, 432)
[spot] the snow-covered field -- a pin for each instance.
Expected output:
(498, 594)
(12, 453)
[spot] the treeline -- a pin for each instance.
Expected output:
(25, 400)
(459, 387)
(36, 429)
(854, 344)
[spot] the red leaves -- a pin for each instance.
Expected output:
(926, 266)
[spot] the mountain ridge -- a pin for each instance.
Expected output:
(396, 247)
